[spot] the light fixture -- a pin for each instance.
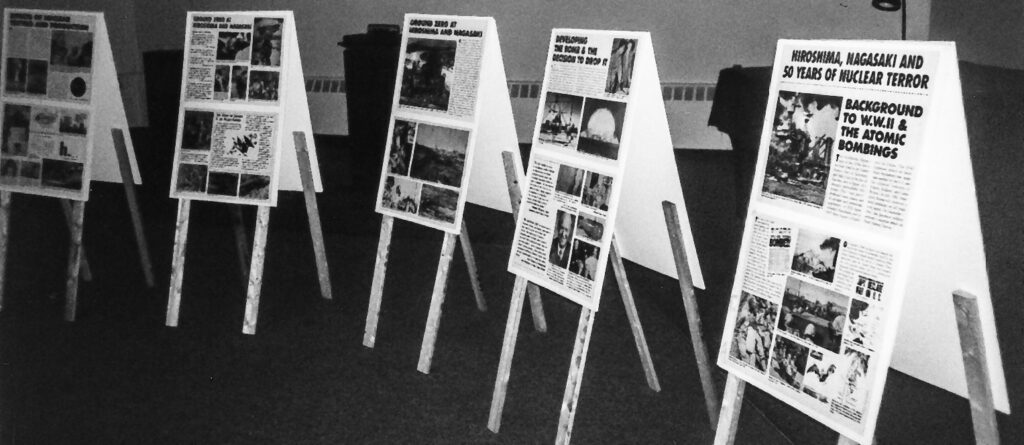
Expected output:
(890, 6)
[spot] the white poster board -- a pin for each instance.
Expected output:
(242, 96)
(846, 183)
(60, 100)
(600, 101)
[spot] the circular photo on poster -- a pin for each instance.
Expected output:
(78, 87)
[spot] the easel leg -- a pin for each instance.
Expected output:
(259, 252)
(380, 269)
(700, 350)
(436, 301)
(241, 241)
(508, 348)
(575, 380)
(178, 262)
(133, 204)
(65, 205)
(74, 260)
(979, 389)
(732, 402)
(634, 318)
(313, 213)
(540, 324)
(5, 221)
(474, 281)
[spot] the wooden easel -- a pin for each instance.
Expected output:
(586, 324)
(255, 273)
(979, 389)
(74, 213)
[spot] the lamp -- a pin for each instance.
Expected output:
(890, 6)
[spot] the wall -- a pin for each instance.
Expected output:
(985, 32)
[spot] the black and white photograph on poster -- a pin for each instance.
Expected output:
(620, 66)
(29, 169)
(401, 194)
(16, 128)
(440, 154)
(814, 314)
(602, 128)
(590, 228)
(62, 174)
(816, 255)
(239, 82)
(17, 75)
(71, 148)
(403, 139)
(558, 256)
(562, 119)
(196, 130)
(263, 85)
(266, 41)
(596, 189)
(222, 82)
(438, 203)
(753, 331)
(70, 51)
(868, 288)
(8, 169)
(570, 180)
(854, 391)
(862, 324)
(779, 254)
(254, 187)
(244, 144)
(37, 82)
(74, 122)
(584, 259)
(823, 377)
(789, 359)
(44, 120)
(233, 46)
(223, 183)
(800, 152)
(191, 178)
(428, 73)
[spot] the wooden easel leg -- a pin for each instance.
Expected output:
(508, 348)
(74, 260)
(575, 380)
(5, 225)
(241, 241)
(634, 318)
(979, 389)
(380, 269)
(732, 403)
(313, 214)
(474, 281)
(436, 301)
(700, 350)
(178, 262)
(540, 324)
(65, 205)
(133, 204)
(259, 252)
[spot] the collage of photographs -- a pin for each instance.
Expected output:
(220, 155)
(579, 226)
(44, 147)
(247, 65)
(424, 170)
(49, 64)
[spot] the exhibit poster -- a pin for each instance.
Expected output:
(824, 261)
(47, 115)
(228, 144)
(434, 119)
(564, 231)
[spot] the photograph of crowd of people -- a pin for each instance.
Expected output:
(196, 130)
(800, 152)
(596, 190)
(266, 41)
(439, 155)
(403, 139)
(752, 333)
(191, 178)
(816, 255)
(584, 259)
(439, 203)
(254, 187)
(222, 183)
(401, 194)
(823, 376)
(868, 288)
(814, 314)
(565, 222)
(590, 228)
(263, 85)
(233, 46)
(602, 128)
(570, 180)
(62, 174)
(428, 73)
(789, 359)
(620, 66)
(862, 324)
(561, 121)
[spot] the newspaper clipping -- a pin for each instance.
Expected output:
(48, 55)
(234, 58)
(226, 156)
(440, 72)
(564, 231)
